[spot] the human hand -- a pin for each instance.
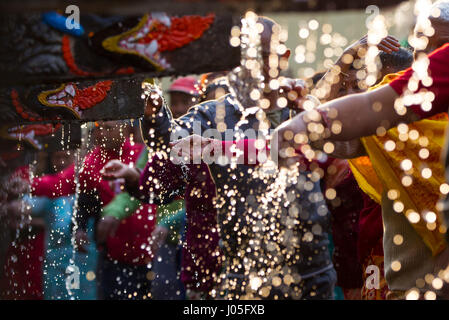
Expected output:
(107, 226)
(388, 44)
(192, 148)
(115, 169)
(295, 91)
(286, 139)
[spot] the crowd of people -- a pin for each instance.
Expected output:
(172, 207)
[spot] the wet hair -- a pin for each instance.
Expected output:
(397, 60)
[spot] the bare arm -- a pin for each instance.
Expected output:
(356, 115)
(362, 114)
(345, 119)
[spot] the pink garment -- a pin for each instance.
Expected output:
(134, 231)
(63, 183)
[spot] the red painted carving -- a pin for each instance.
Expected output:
(182, 31)
(90, 96)
(20, 110)
(70, 61)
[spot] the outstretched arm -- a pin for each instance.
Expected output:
(195, 148)
(360, 115)
(343, 119)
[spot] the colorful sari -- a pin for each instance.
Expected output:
(421, 144)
